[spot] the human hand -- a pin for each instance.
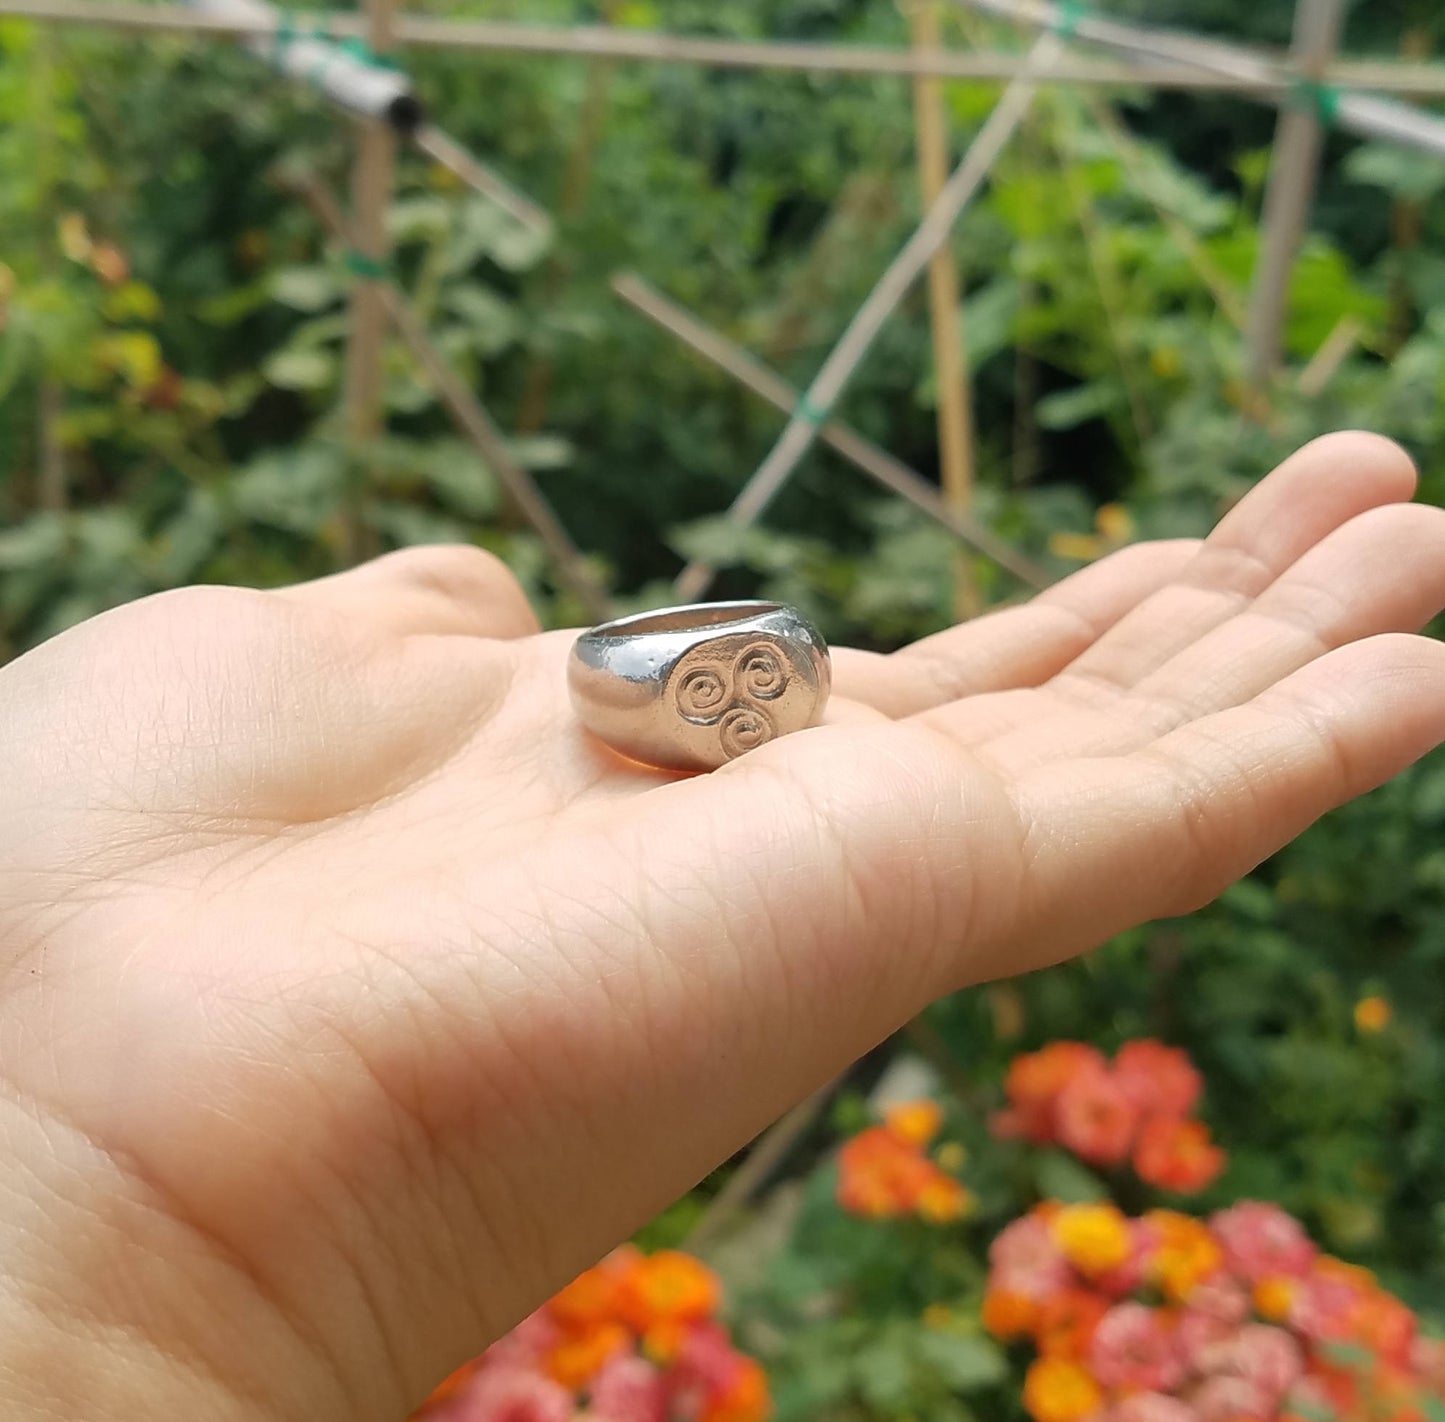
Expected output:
(352, 999)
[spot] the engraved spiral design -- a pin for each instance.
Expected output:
(743, 728)
(761, 674)
(702, 695)
(733, 697)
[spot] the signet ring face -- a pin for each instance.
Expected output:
(693, 687)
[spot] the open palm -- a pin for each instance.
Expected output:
(352, 998)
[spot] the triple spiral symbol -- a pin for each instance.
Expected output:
(729, 697)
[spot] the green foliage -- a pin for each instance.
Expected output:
(175, 325)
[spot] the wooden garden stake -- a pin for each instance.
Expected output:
(371, 187)
(950, 358)
(1145, 57)
(878, 464)
(1293, 173)
(844, 359)
(470, 415)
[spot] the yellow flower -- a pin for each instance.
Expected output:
(916, 1122)
(951, 1156)
(1274, 1298)
(1373, 1014)
(74, 237)
(1079, 547)
(1056, 1390)
(1115, 525)
(943, 1200)
(1093, 1238)
(1186, 1253)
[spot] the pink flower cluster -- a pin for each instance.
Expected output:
(1167, 1318)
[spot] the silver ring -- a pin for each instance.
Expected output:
(691, 688)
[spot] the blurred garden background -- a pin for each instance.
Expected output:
(172, 360)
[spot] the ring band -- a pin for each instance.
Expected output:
(691, 688)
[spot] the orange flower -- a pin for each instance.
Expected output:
(1186, 1253)
(1056, 1390)
(916, 1122)
(592, 1297)
(881, 1175)
(1372, 1014)
(1093, 1238)
(664, 1340)
(1066, 1323)
(668, 1285)
(109, 263)
(745, 1399)
(943, 1200)
(1034, 1082)
(1008, 1315)
(1177, 1155)
(1386, 1326)
(1274, 1297)
(583, 1352)
(1355, 1276)
(455, 1384)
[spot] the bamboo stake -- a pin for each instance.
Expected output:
(373, 176)
(879, 465)
(468, 412)
(1293, 173)
(768, 1152)
(950, 358)
(476, 175)
(1419, 80)
(802, 427)
(1244, 70)
(1334, 351)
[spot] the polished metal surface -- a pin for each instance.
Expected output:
(691, 688)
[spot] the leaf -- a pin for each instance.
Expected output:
(967, 1362)
(1251, 900)
(1403, 172)
(491, 322)
(884, 1374)
(133, 355)
(515, 248)
(37, 541)
(310, 289)
(541, 451)
(1432, 1406)
(132, 301)
(1061, 1177)
(1066, 409)
(298, 490)
(416, 219)
(300, 370)
(1430, 794)
(1311, 1411)
(989, 316)
(1348, 1355)
(460, 478)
